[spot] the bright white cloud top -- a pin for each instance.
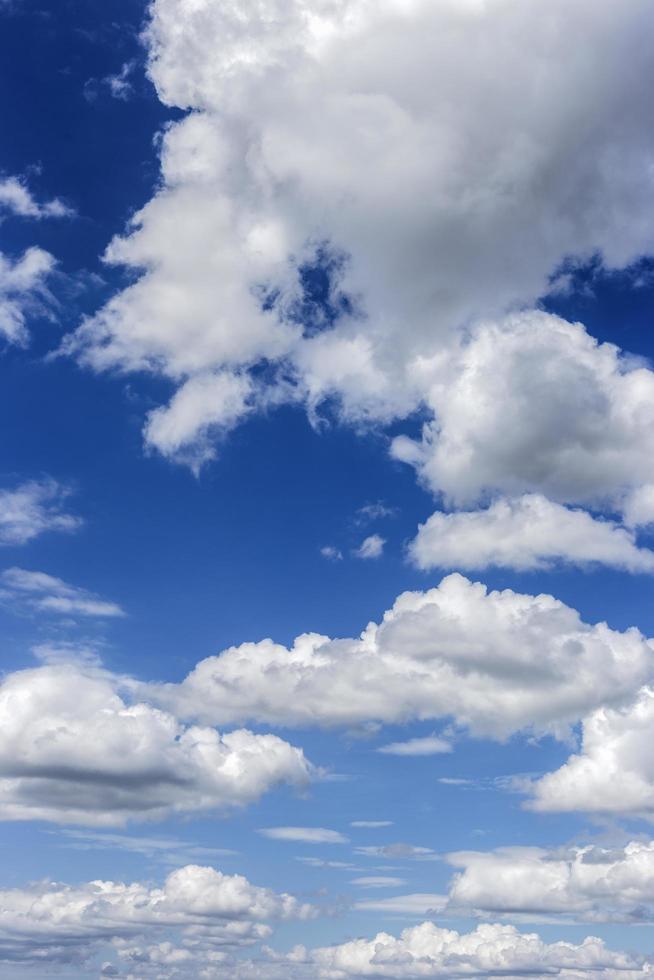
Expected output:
(457, 651)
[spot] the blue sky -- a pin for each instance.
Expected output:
(383, 326)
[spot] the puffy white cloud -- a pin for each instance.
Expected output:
(497, 662)
(308, 835)
(614, 770)
(440, 159)
(534, 404)
(72, 751)
(23, 290)
(370, 547)
(427, 950)
(202, 408)
(588, 883)
(33, 508)
(49, 594)
(50, 922)
(525, 533)
(429, 745)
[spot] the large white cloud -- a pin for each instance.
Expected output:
(72, 751)
(525, 533)
(614, 770)
(50, 922)
(497, 662)
(588, 883)
(450, 154)
(427, 950)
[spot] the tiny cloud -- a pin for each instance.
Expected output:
(307, 835)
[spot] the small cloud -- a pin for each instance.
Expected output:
(331, 553)
(46, 593)
(33, 508)
(432, 745)
(307, 835)
(399, 850)
(16, 198)
(119, 84)
(374, 512)
(371, 824)
(371, 547)
(453, 781)
(418, 904)
(378, 881)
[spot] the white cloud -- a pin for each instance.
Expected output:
(49, 594)
(23, 291)
(588, 883)
(378, 881)
(497, 662)
(427, 950)
(512, 149)
(585, 416)
(15, 197)
(331, 553)
(32, 509)
(399, 850)
(371, 823)
(371, 547)
(52, 923)
(200, 410)
(119, 84)
(308, 835)
(525, 533)
(430, 745)
(72, 751)
(614, 770)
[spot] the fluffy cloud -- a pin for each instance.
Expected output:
(49, 594)
(587, 883)
(614, 770)
(61, 923)
(585, 415)
(72, 751)
(371, 547)
(490, 950)
(437, 161)
(497, 662)
(525, 533)
(33, 508)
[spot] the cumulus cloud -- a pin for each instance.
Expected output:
(427, 950)
(497, 662)
(55, 923)
(370, 547)
(49, 594)
(525, 533)
(429, 745)
(588, 883)
(437, 161)
(72, 751)
(308, 835)
(614, 769)
(33, 508)
(585, 416)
